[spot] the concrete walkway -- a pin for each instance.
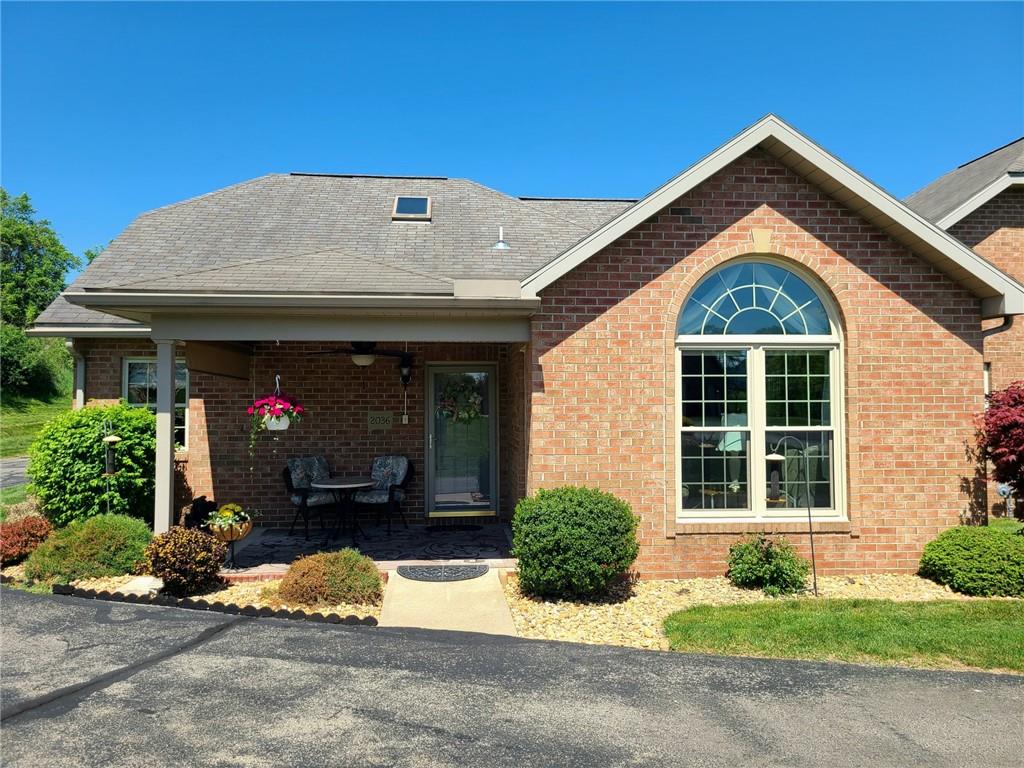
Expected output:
(473, 605)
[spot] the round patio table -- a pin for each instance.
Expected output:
(343, 488)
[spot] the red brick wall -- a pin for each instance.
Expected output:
(337, 395)
(996, 231)
(603, 388)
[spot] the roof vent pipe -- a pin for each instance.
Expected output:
(501, 245)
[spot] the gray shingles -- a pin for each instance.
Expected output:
(220, 239)
(63, 312)
(949, 192)
(307, 233)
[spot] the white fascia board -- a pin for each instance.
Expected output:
(138, 300)
(1001, 184)
(773, 127)
(90, 331)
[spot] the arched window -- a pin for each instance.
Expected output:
(759, 397)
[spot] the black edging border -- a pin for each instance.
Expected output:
(198, 604)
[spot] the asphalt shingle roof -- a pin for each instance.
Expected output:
(949, 192)
(322, 233)
(302, 232)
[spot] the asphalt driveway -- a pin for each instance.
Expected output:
(89, 683)
(12, 471)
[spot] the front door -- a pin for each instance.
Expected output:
(462, 423)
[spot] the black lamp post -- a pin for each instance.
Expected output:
(777, 458)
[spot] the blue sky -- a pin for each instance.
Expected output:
(112, 109)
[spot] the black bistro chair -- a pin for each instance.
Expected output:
(391, 475)
(297, 476)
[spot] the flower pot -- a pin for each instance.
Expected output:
(276, 423)
(236, 532)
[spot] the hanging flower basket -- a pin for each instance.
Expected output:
(274, 412)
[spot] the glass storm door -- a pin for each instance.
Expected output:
(461, 441)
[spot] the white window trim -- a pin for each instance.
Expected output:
(759, 512)
(126, 361)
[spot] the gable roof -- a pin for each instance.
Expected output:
(963, 190)
(1001, 294)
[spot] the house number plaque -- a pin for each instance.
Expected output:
(380, 421)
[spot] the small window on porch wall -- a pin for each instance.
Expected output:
(759, 369)
(139, 390)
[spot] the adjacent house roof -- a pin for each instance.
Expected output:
(325, 240)
(950, 198)
(1001, 294)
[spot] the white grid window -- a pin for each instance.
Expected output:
(759, 362)
(139, 390)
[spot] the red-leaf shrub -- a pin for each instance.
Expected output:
(18, 539)
(1001, 436)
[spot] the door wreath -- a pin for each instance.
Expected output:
(460, 401)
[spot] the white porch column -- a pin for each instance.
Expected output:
(79, 358)
(163, 511)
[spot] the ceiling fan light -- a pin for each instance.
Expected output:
(363, 360)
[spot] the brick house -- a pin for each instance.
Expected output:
(765, 332)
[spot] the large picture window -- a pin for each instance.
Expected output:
(758, 360)
(139, 390)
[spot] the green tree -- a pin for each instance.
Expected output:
(34, 261)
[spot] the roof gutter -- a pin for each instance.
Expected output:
(128, 301)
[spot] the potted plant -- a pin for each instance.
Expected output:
(275, 412)
(229, 523)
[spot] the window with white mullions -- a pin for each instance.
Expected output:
(139, 390)
(758, 356)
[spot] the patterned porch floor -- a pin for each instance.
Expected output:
(271, 546)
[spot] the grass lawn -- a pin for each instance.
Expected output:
(21, 419)
(985, 634)
(1005, 524)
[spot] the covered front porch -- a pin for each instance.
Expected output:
(454, 411)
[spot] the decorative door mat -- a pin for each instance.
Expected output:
(463, 528)
(441, 572)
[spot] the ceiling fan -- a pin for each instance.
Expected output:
(365, 353)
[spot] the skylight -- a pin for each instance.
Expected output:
(411, 208)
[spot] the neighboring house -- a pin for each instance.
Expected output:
(658, 349)
(981, 203)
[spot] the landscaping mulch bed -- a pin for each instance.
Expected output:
(633, 615)
(261, 596)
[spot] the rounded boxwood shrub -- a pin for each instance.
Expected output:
(329, 578)
(976, 560)
(105, 545)
(187, 559)
(19, 538)
(66, 464)
(573, 542)
(774, 566)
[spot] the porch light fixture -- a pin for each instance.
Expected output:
(363, 353)
(777, 458)
(405, 369)
(501, 245)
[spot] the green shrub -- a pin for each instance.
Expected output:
(66, 464)
(573, 542)
(976, 560)
(19, 538)
(105, 545)
(37, 367)
(329, 578)
(187, 559)
(774, 566)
